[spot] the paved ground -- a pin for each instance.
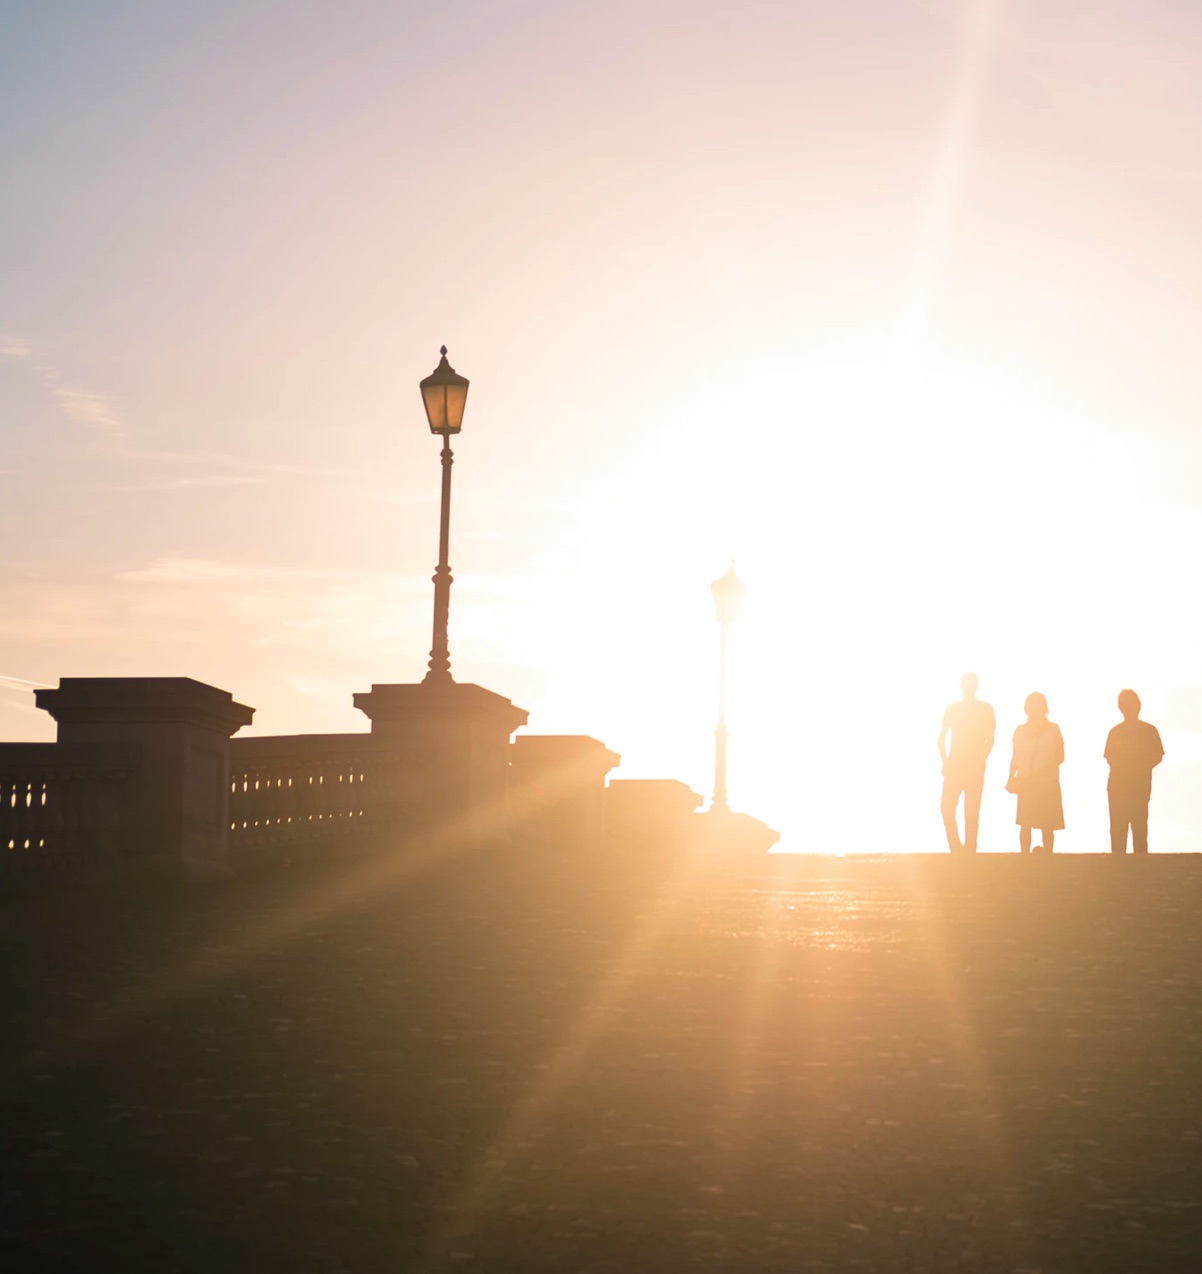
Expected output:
(828, 1064)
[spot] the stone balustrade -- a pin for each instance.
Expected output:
(64, 808)
(292, 790)
(145, 776)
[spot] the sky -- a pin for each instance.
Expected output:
(892, 303)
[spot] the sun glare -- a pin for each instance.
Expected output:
(891, 538)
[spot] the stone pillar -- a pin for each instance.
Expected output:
(557, 790)
(179, 816)
(458, 735)
(649, 816)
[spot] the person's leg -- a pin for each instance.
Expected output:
(947, 807)
(1024, 840)
(1138, 814)
(1049, 840)
(1118, 822)
(973, 788)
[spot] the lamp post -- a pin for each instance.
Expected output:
(729, 592)
(444, 393)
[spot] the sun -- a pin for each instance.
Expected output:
(890, 541)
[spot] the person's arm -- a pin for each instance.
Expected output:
(943, 733)
(1059, 747)
(1012, 772)
(992, 732)
(1158, 750)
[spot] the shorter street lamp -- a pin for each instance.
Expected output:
(444, 393)
(729, 592)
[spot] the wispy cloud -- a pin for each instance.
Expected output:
(217, 461)
(22, 684)
(14, 347)
(100, 415)
(94, 411)
(200, 480)
(186, 570)
(193, 570)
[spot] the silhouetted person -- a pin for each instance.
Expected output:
(1035, 775)
(1134, 750)
(971, 725)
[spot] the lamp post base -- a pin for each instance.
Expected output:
(440, 653)
(723, 832)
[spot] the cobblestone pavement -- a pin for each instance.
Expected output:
(511, 1065)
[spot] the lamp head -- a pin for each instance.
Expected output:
(444, 393)
(729, 592)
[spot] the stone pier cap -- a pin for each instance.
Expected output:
(564, 749)
(82, 701)
(390, 705)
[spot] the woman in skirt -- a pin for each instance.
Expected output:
(1035, 775)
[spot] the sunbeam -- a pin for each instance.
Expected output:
(953, 146)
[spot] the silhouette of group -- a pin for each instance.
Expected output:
(1133, 750)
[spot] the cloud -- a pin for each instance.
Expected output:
(93, 410)
(190, 570)
(199, 570)
(83, 406)
(14, 347)
(20, 683)
(308, 608)
(217, 461)
(201, 480)
(98, 413)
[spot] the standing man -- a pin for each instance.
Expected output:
(1134, 750)
(971, 725)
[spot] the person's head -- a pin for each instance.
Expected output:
(1036, 707)
(1129, 705)
(969, 683)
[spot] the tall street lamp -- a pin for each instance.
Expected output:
(444, 393)
(729, 592)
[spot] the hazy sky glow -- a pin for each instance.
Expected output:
(894, 302)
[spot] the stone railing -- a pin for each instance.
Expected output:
(145, 773)
(63, 808)
(288, 791)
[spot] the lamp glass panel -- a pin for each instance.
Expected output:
(454, 401)
(729, 592)
(435, 399)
